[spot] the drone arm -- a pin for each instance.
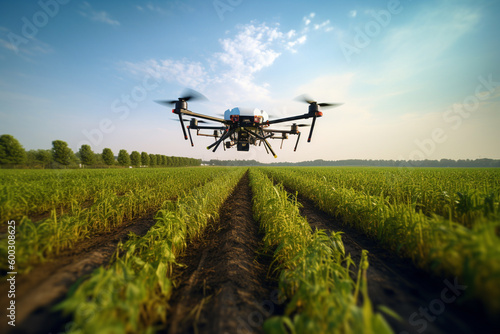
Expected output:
(193, 114)
(288, 119)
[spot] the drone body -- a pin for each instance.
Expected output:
(243, 127)
(249, 121)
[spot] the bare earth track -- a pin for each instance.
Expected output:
(224, 288)
(397, 284)
(43, 287)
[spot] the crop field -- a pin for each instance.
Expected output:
(250, 250)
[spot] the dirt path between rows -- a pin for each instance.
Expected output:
(425, 303)
(224, 288)
(47, 284)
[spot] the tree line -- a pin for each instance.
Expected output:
(13, 154)
(365, 163)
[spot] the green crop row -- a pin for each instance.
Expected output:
(32, 193)
(464, 195)
(434, 243)
(131, 295)
(313, 270)
(37, 241)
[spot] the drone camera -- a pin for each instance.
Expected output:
(235, 118)
(243, 147)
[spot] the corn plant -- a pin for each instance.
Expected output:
(131, 296)
(433, 242)
(313, 270)
(111, 207)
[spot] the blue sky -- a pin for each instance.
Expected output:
(418, 79)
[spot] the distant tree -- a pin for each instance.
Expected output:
(152, 160)
(99, 161)
(144, 159)
(44, 156)
(108, 157)
(123, 158)
(31, 159)
(11, 151)
(159, 160)
(135, 158)
(61, 153)
(87, 157)
(38, 158)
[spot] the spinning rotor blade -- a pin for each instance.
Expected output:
(329, 105)
(166, 102)
(307, 99)
(188, 94)
(191, 94)
(304, 98)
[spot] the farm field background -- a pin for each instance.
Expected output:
(280, 249)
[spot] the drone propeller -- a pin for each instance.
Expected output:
(188, 94)
(307, 99)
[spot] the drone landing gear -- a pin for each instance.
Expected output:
(220, 140)
(297, 142)
(264, 140)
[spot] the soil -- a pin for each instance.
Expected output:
(425, 303)
(224, 287)
(39, 290)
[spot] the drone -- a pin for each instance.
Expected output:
(243, 127)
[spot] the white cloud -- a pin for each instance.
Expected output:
(7, 45)
(168, 8)
(185, 72)
(325, 26)
(291, 34)
(29, 49)
(156, 9)
(251, 50)
(298, 41)
(353, 13)
(307, 19)
(309, 24)
(99, 16)
(230, 74)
